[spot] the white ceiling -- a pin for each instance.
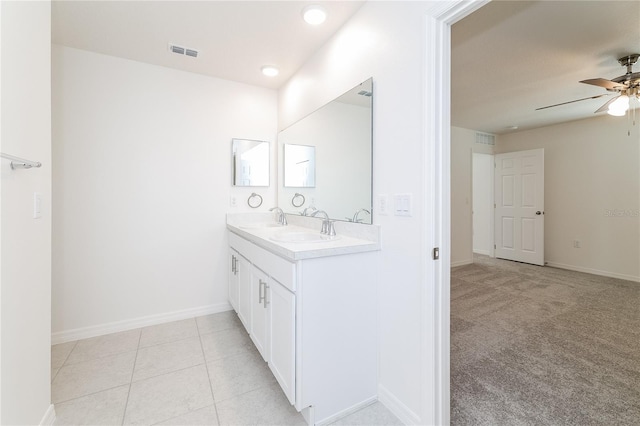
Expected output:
(234, 38)
(508, 58)
(511, 57)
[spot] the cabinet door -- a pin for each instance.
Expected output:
(282, 331)
(259, 311)
(233, 279)
(243, 269)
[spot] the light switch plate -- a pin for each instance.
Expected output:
(402, 204)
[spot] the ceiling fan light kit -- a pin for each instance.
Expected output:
(619, 106)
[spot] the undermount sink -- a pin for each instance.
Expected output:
(261, 225)
(302, 237)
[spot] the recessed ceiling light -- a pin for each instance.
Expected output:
(270, 70)
(314, 14)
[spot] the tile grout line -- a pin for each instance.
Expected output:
(69, 354)
(63, 362)
(167, 342)
(89, 394)
(215, 406)
(126, 404)
(168, 372)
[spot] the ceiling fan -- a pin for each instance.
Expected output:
(626, 87)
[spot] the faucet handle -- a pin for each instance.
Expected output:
(331, 230)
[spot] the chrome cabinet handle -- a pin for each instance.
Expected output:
(260, 295)
(233, 264)
(266, 301)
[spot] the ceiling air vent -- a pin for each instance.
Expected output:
(183, 50)
(485, 139)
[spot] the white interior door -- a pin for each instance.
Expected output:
(519, 206)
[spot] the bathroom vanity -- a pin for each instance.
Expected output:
(309, 304)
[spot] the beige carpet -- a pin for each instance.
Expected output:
(536, 345)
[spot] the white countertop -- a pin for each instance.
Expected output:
(351, 238)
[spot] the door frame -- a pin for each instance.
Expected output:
(436, 232)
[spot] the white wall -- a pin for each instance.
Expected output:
(463, 144)
(142, 172)
(592, 193)
(25, 250)
(483, 213)
(386, 41)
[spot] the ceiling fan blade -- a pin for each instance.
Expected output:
(577, 100)
(607, 84)
(627, 77)
(606, 105)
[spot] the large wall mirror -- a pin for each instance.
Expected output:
(249, 162)
(299, 166)
(327, 158)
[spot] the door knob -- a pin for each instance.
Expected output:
(538, 213)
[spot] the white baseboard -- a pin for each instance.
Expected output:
(49, 416)
(593, 271)
(461, 263)
(344, 413)
(394, 405)
(117, 326)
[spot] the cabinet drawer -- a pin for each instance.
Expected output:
(273, 265)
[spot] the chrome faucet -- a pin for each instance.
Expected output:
(327, 224)
(355, 216)
(305, 212)
(318, 212)
(280, 216)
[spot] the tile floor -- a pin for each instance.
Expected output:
(201, 371)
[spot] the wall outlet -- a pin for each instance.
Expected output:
(383, 204)
(37, 205)
(576, 244)
(233, 201)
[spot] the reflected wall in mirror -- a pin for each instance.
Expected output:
(299, 166)
(249, 162)
(341, 134)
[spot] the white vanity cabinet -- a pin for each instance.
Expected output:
(259, 330)
(233, 279)
(267, 308)
(282, 332)
(242, 278)
(239, 282)
(314, 321)
(273, 322)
